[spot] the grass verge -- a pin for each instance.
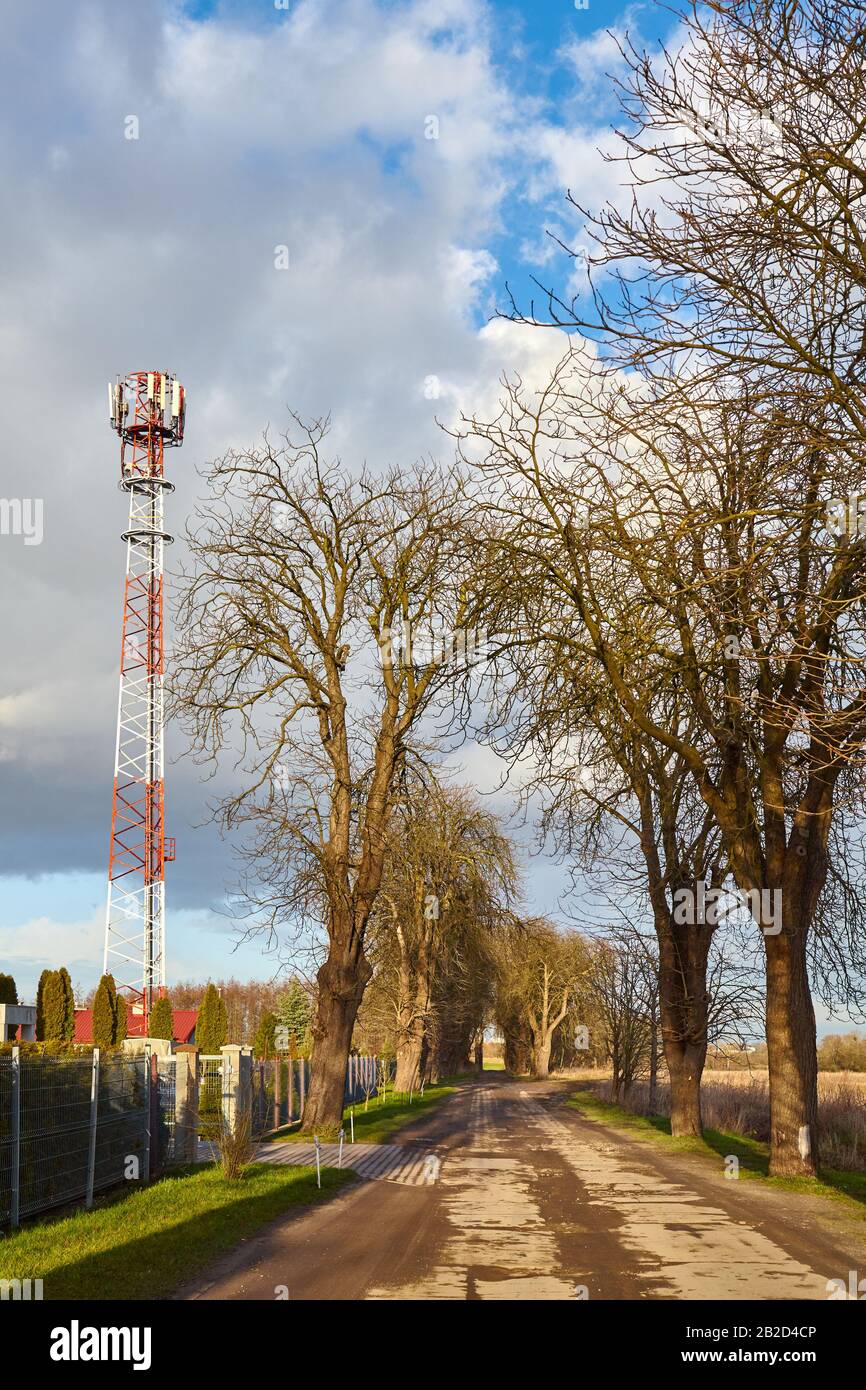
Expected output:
(381, 1120)
(145, 1244)
(754, 1157)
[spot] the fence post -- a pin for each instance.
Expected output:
(237, 1083)
(226, 1116)
(186, 1103)
(146, 1058)
(156, 1152)
(278, 1108)
(291, 1096)
(303, 1088)
(94, 1108)
(16, 1137)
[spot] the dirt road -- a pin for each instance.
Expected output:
(532, 1201)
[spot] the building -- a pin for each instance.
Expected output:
(17, 1022)
(184, 1025)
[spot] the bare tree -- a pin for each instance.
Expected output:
(449, 869)
(732, 284)
(540, 972)
(463, 992)
(619, 984)
(709, 572)
(579, 754)
(312, 645)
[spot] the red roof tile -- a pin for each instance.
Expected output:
(184, 1021)
(184, 1025)
(83, 1025)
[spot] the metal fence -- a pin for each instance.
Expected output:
(166, 1107)
(280, 1087)
(73, 1126)
(69, 1127)
(365, 1076)
(210, 1082)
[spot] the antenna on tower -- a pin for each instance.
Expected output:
(148, 412)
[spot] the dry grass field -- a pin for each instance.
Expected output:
(737, 1102)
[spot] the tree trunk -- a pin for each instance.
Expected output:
(616, 1074)
(409, 1054)
(654, 1061)
(415, 1015)
(683, 1000)
(409, 1032)
(518, 1058)
(541, 1057)
(447, 1057)
(686, 1065)
(342, 981)
(791, 1058)
(426, 1063)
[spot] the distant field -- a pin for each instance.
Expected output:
(826, 1079)
(738, 1102)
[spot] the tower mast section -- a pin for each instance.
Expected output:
(147, 410)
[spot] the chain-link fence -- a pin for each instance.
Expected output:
(69, 1127)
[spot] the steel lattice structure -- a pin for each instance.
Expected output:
(147, 410)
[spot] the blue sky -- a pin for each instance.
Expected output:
(257, 126)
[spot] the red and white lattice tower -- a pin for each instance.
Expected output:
(147, 410)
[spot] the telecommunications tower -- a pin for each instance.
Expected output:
(147, 410)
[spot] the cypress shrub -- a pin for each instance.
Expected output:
(105, 1013)
(53, 1007)
(161, 1021)
(121, 1025)
(40, 1004)
(68, 1005)
(212, 1025)
(265, 1044)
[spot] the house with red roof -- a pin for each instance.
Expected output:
(183, 1021)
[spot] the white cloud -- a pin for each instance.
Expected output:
(121, 254)
(43, 943)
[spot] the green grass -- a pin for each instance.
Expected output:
(382, 1119)
(143, 1245)
(494, 1064)
(754, 1156)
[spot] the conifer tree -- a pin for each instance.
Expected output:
(120, 1029)
(68, 1032)
(161, 1022)
(265, 1041)
(105, 1013)
(211, 1028)
(40, 1004)
(53, 1007)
